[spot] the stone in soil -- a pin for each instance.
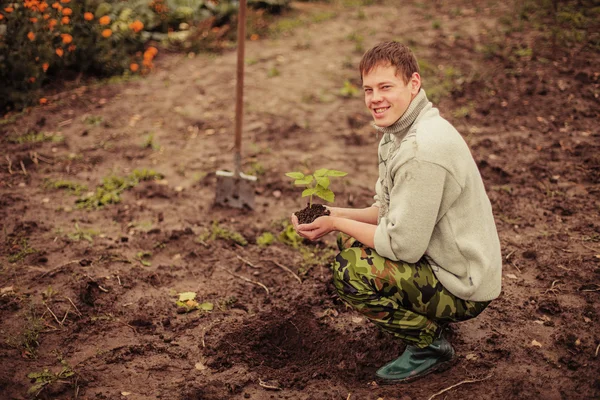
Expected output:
(310, 213)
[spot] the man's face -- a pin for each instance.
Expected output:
(387, 96)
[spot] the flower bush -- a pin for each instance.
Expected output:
(41, 39)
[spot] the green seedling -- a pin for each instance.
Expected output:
(349, 89)
(150, 143)
(72, 187)
(93, 120)
(317, 183)
(217, 232)
(82, 234)
(45, 378)
(187, 302)
(144, 258)
(19, 251)
(36, 137)
(112, 187)
(266, 239)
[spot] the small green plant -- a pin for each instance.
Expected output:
(112, 187)
(187, 302)
(36, 137)
(82, 234)
(72, 187)
(93, 120)
(150, 143)
(19, 250)
(28, 341)
(144, 258)
(349, 89)
(317, 183)
(46, 377)
(265, 239)
(289, 236)
(218, 232)
(273, 72)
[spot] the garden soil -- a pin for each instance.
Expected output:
(89, 295)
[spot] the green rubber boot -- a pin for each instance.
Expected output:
(415, 362)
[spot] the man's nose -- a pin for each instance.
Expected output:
(376, 96)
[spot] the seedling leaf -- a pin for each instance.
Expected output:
(185, 296)
(325, 194)
(321, 172)
(323, 181)
(295, 175)
(333, 172)
(309, 192)
(305, 181)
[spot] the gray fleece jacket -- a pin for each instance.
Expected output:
(432, 203)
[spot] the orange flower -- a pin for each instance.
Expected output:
(106, 33)
(152, 50)
(34, 20)
(67, 11)
(9, 9)
(253, 37)
(43, 6)
(66, 38)
(72, 47)
(32, 79)
(65, 1)
(59, 52)
(45, 66)
(31, 36)
(43, 100)
(134, 67)
(52, 23)
(136, 26)
(65, 20)
(56, 5)
(147, 62)
(46, 16)
(104, 20)
(1, 17)
(88, 16)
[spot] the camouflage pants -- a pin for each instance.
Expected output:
(402, 298)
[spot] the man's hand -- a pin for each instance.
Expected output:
(316, 229)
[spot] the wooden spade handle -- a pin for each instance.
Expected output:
(239, 104)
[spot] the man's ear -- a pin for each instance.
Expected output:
(415, 83)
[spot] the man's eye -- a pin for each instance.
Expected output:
(368, 90)
(386, 87)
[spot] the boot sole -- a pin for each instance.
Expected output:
(441, 367)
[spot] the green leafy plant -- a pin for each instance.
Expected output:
(187, 302)
(317, 183)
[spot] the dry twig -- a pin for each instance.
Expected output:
(242, 259)
(23, 168)
(54, 315)
(286, 269)
(55, 270)
(597, 349)
(460, 383)
(74, 306)
(246, 279)
(9, 165)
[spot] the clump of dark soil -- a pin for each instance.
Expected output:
(311, 212)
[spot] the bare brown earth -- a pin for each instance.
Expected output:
(110, 314)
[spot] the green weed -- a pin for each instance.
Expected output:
(349, 89)
(273, 72)
(43, 379)
(19, 250)
(113, 186)
(83, 234)
(71, 187)
(93, 120)
(266, 239)
(144, 258)
(218, 232)
(28, 341)
(36, 137)
(150, 143)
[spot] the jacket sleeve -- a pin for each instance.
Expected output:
(415, 200)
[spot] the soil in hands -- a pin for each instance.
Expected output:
(311, 212)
